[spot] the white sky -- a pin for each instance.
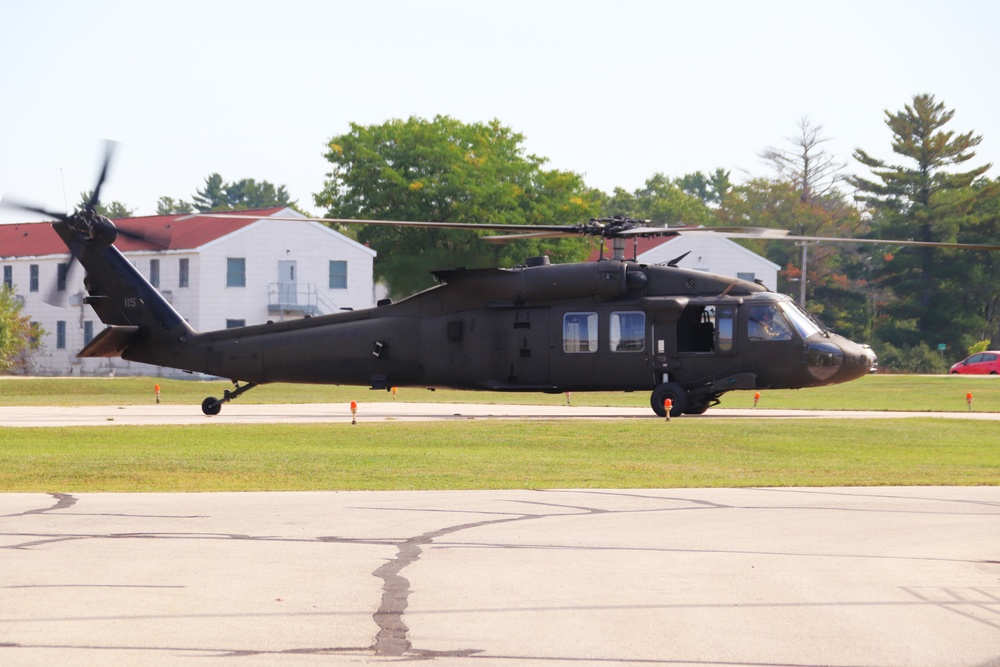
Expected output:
(615, 90)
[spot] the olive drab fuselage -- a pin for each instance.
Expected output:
(607, 325)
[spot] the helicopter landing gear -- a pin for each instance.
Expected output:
(677, 395)
(212, 406)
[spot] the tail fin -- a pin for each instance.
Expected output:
(143, 325)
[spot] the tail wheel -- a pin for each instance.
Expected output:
(211, 406)
(677, 395)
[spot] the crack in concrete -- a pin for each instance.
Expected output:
(392, 638)
(63, 501)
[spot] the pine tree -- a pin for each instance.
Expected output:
(922, 200)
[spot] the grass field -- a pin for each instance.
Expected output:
(504, 454)
(910, 393)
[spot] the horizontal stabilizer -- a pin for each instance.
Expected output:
(111, 342)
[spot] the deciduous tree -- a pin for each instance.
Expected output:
(443, 170)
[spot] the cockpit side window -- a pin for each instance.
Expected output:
(766, 322)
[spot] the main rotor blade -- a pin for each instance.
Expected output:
(531, 235)
(400, 223)
(898, 242)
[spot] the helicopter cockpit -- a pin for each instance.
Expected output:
(777, 319)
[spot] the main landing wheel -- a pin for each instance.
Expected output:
(675, 393)
(211, 406)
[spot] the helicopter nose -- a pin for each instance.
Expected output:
(839, 360)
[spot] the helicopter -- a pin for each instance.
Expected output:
(685, 336)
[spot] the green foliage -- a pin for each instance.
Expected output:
(171, 206)
(447, 171)
(18, 336)
(918, 358)
(242, 195)
(114, 210)
(923, 199)
(977, 347)
(665, 201)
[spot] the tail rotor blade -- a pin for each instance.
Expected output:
(21, 206)
(95, 197)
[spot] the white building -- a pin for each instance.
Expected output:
(217, 273)
(707, 252)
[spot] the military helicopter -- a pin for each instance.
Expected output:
(683, 335)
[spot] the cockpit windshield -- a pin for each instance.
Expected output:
(801, 321)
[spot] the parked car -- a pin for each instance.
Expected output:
(981, 363)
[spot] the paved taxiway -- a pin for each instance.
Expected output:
(879, 576)
(859, 576)
(245, 413)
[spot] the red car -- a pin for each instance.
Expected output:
(983, 363)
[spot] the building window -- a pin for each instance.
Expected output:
(338, 274)
(8, 277)
(62, 270)
(88, 331)
(628, 332)
(33, 278)
(235, 324)
(36, 333)
(580, 332)
(61, 335)
(183, 271)
(154, 272)
(236, 272)
(749, 277)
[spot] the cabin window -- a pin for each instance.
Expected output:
(338, 274)
(236, 272)
(628, 332)
(580, 332)
(696, 329)
(725, 328)
(183, 272)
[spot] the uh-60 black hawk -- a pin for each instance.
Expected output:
(608, 325)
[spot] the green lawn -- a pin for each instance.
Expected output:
(876, 392)
(487, 454)
(501, 455)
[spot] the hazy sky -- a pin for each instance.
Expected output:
(615, 90)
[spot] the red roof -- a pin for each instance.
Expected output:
(178, 232)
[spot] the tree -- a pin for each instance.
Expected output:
(802, 196)
(18, 335)
(443, 170)
(807, 166)
(242, 195)
(113, 210)
(980, 292)
(171, 206)
(711, 189)
(924, 199)
(664, 201)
